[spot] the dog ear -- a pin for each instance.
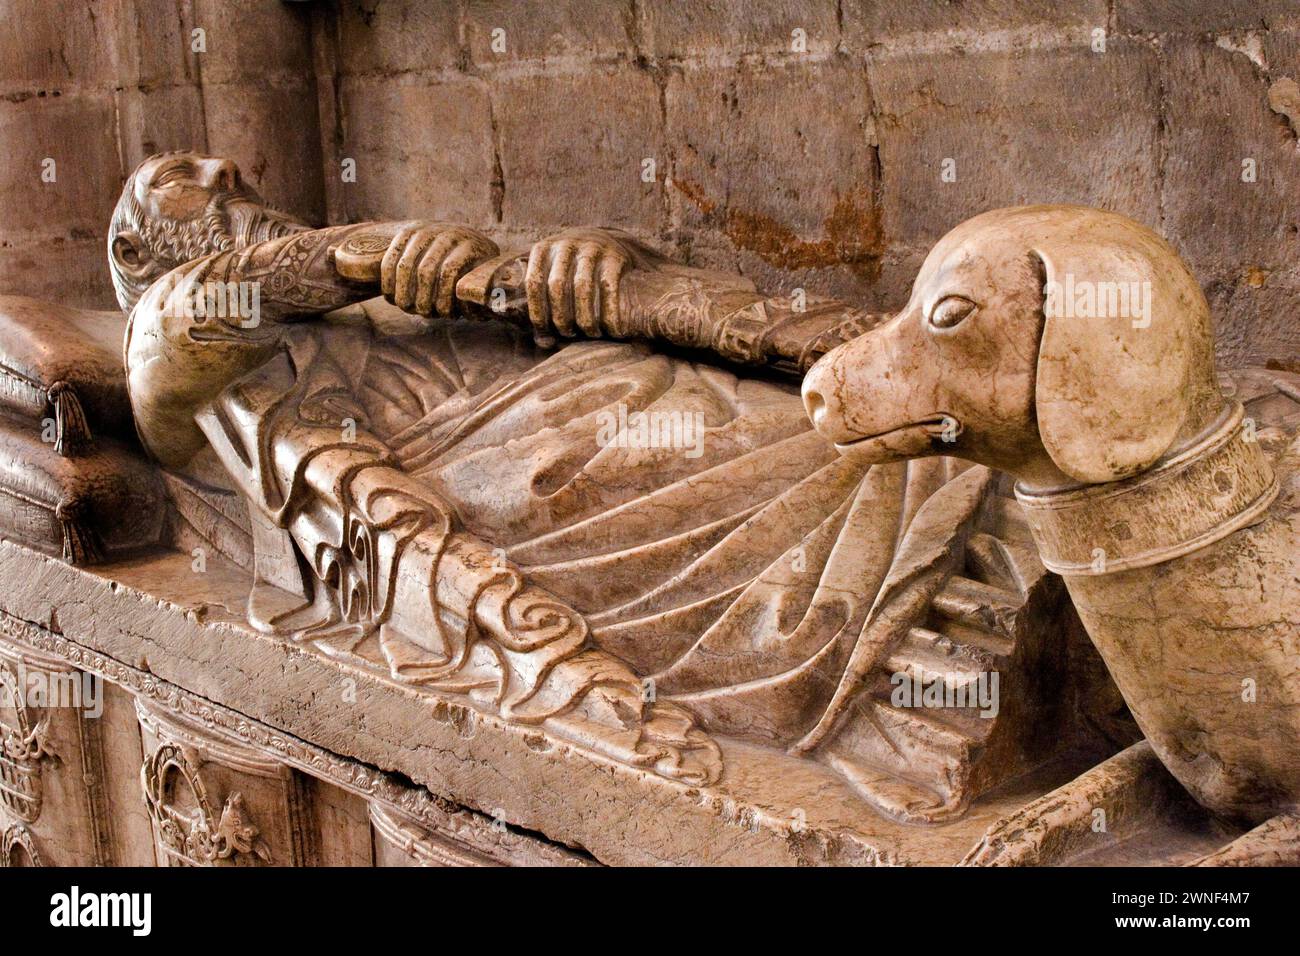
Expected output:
(1110, 388)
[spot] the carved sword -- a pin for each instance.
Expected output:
(687, 307)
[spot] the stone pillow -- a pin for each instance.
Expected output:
(106, 501)
(65, 364)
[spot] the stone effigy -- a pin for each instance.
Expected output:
(633, 545)
(562, 513)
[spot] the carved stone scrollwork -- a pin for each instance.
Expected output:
(195, 835)
(22, 749)
(215, 801)
(17, 848)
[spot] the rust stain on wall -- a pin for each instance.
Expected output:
(1284, 99)
(695, 194)
(852, 233)
(1255, 277)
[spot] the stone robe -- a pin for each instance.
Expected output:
(753, 575)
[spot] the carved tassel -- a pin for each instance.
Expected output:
(72, 430)
(80, 543)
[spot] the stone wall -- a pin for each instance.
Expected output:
(804, 144)
(98, 85)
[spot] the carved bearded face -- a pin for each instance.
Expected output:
(177, 207)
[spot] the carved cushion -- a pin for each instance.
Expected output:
(105, 501)
(66, 364)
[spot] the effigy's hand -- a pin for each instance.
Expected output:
(424, 261)
(573, 282)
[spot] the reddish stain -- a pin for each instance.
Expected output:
(852, 234)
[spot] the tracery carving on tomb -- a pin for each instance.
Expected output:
(23, 748)
(189, 828)
(17, 847)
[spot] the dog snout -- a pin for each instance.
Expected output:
(814, 404)
(855, 392)
(821, 400)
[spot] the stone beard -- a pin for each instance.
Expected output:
(233, 219)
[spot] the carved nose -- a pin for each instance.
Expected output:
(223, 174)
(815, 405)
(819, 400)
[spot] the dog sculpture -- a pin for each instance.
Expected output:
(1073, 349)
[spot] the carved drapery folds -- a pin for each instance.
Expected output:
(387, 561)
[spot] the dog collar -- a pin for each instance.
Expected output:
(1220, 483)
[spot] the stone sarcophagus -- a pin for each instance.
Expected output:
(463, 532)
(409, 551)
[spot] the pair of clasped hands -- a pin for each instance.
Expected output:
(572, 280)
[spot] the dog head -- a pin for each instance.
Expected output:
(1061, 344)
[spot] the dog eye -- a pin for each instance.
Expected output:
(950, 310)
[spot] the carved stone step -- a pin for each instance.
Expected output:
(978, 605)
(929, 652)
(962, 724)
(908, 745)
(987, 561)
(1023, 564)
(929, 752)
(946, 733)
(892, 794)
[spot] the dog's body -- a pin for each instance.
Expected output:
(1144, 486)
(1205, 648)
